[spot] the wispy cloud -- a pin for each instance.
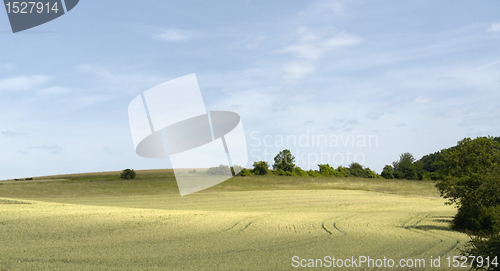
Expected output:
(309, 46)
(46, 147)
(25, 82)
(300, 98)
(255, 41)
(294, 71)
(326, 7)
(12, 134)
(7, 67)
(374, 115)
(494, 27)
(422, 100)
(112, 80)
(53, 90)
(175, 35)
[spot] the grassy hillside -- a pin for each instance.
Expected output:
(100, 222)
(162, 182)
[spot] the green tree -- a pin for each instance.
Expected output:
(313, 173)
(127, 174)
(471, 180)
(388, 172)
(483, 247)
(260, 168)
(220, 170)
(357, 170)
(245, 172)
(284, 160)
(371, 174)
(470, 156)
(404, 168)
(327, 170)
(343, 171)
(297, 171)
(428, 161)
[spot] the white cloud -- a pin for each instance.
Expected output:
(422, 100)
(8, 67)
(325, 8)
(23, 82)
(374, 115)
(53, 90)
(300, 98)
(336, 7)
(305, 51)
(121, 81)
(308, 48)
(294, 71)
(494, 27)
(340, 40)
(46, 147)
(255, 42)
(175, 35)
(12, 134)
(311, 45)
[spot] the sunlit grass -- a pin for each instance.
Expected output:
(101, 222)
(158, 182)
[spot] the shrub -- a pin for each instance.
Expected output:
(357, 170)
(127, 174)
(327, 170)
(313, 173)
(300, 172)
(245, 172)
(281, 172)
(372, 175)
(236, 169)
(387, 172)
(260, 168)
(220, 170)
(343, 171)
(485, 247)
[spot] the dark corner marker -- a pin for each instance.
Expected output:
(28, 14)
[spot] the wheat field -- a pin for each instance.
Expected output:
(219, 230)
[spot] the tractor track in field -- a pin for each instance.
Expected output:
(442, 238)
(334, 225)
(246, 222)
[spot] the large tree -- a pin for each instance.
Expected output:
(284, 160)
(260, 167)
(471, 180)
(388, 172)
(404, 168)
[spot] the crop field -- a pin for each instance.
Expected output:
(100, 222)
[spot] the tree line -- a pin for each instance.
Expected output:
(284, 165)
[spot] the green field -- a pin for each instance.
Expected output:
(101, 222)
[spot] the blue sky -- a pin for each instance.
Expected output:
(417, 76)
